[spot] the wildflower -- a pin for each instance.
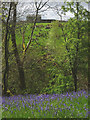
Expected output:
(86, 96)
(71, 98)
(68, 108)
(56, 113)
(58, 99)
(27, 105)
(23, 105)
(6, 108)
(84, 92)
(51, 105)
(46, 108)
(60, 109)
(64, 104)
(41, 108)
(67, 94)
(78, 94)
(85, 109)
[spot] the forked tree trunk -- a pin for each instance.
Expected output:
(15, 50)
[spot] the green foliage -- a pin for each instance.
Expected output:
(69, 44)
(55, 40)
(72, 7)
(59, 84)
(76, 42)
(73, 41)
(47, 59)
(35, 64)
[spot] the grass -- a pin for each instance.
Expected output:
(39, 32)
(69, 105)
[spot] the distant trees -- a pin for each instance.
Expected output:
(31, 18)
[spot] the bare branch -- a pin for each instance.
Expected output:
(39, 4)
(31, 38)
(36, 4)
(45, 9)
(43, 4)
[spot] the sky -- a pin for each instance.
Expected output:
(54, 0)
(53, 15)
(48, 14)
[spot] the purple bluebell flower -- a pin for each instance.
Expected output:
(86, 96)
(6, 108)
(71, 98)
(56, 113)
(11, 111)
(64, 104)
(70, 104)
(67, 94)
(60, 109)
(41, 108)
(46, 108)
(51, 105)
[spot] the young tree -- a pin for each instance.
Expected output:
(75, 39)
(39, 6)
(15, 50)
(73, 34)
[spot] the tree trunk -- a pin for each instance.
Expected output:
(7, 35)
(88, 51)
(74, 74)
(5, 78)
(75, 65)
(15, 50)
